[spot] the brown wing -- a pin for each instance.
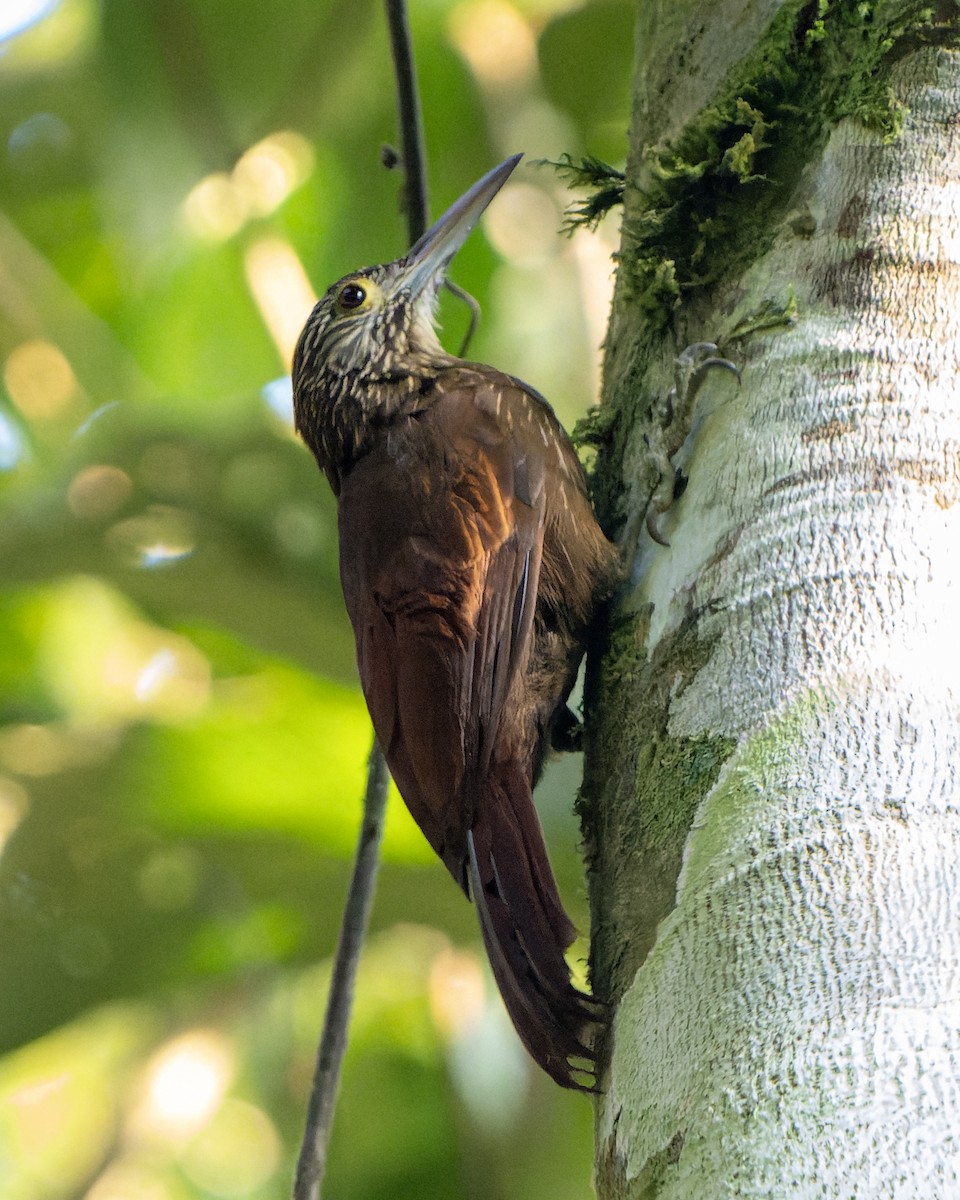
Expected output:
(441, 532)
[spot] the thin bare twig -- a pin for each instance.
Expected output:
(333, 1041)
(312, 1161)
(412, 150)
(411, 121)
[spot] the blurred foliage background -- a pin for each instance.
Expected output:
(182, 740)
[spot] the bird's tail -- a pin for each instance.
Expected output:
(525, 931)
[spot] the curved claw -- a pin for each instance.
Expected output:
(653, 528)
(690, 353)
(693, 368)
(720, 362)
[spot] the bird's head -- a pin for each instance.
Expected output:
(380, 321)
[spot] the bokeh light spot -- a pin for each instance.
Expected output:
(34, 750)
(11, 443)
(281, 289)
(173, 681)
(98, 492)
(278, 397)
(158, 670)
(523, 225)
(499, 45)
(16, 15)
(214, 210)
(125, 1180)
(185, 1083)
(157, 538)
(269, 171)
(457, 992)
(107, 665)
(490, 1070)
(220, 205)
(39, 380)
(236, 1153)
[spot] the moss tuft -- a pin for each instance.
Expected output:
(594, 428)
(706, 203)
(603, 182)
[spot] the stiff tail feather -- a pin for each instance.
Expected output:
(525, 931)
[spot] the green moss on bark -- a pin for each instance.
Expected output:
(705, 204)
(645, 787)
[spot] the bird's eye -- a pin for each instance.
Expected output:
(351, 296)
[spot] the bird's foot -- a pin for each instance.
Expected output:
(672, 422)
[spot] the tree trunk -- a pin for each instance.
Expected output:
(773, 774)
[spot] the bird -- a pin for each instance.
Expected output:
(472, 568)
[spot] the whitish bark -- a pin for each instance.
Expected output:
(782, 833)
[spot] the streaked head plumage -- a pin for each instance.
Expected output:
(381, 321)
(373, 322)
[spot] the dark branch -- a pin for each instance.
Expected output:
(412, 153)
(411, 121)
(333, 1041)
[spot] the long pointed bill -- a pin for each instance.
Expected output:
(429, 258)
